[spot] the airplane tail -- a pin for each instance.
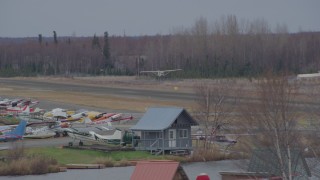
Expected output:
(87, 120)
(25, 108)
(20, 129)
(25, 111)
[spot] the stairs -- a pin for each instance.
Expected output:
(156, 152)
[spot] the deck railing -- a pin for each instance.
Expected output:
(152, 144)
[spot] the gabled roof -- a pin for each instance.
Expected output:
(164, 170)
(160, 118)
(265, 160)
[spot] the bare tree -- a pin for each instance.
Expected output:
(215, 105)
(272, 120)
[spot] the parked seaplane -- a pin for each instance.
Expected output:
(160, 73)
(7, 128)
(16, 133)
(5, 102)
(95, 135)
(39, 133)
(21, 111)
(106, 118)
(57, 114)
(79, 115)
(18, 102)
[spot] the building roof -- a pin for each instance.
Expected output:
(265, 160)
(163, 170)
(160, 118)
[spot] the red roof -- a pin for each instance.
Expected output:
(163, 170)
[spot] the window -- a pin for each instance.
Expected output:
(171, 134)
(183, 133)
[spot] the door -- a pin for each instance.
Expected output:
(172, 137)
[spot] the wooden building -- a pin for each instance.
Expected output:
(158, 170)
(164, 129)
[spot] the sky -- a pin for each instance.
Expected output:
(28, 18)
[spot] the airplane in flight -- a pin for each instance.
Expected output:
(160, 73)
(16, 133)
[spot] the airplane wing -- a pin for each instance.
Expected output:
(161, 73)
(172, 70)
(149, 71)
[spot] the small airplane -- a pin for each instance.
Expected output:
(16, 133)
(96, 135)
(106, 119)
(18, 102)
(78, 116)
(57, 113)
(161, 73)
(23, 111)
(39, 133)
(5, 102)
(7, 128)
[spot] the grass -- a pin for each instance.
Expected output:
(18, 162)
(26, 166)
(73, 156)
(25, 161)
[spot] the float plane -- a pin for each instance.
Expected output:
(96, 135)
(16, 133)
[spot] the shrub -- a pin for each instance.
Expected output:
(17, 151)
(122, 163)
(207, 155)
(16, 167)
(25, 166)
(108, 162)
(181, 159)
(39, 166)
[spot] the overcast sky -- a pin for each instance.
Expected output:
(28, 18)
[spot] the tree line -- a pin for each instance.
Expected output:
(226, 48)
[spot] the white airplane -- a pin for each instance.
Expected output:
(22, 111)
(161, 73)
(78, 116)
(96, 135)
(39, 133)
(5, 102)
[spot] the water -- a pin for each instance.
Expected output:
(119, 173)
(123, 173)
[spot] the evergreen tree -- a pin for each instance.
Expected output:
(55, 37)
(40, 39)
(69, 41)
(95, 42)
(106, 50)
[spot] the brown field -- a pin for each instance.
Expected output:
(110, 101)
(102, 101)
(243, 88)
